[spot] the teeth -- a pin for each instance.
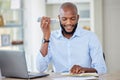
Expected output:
(69, 26)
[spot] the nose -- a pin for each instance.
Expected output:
(68, 21)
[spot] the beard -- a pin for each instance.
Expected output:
(72, 32)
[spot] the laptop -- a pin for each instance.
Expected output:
(13, 64)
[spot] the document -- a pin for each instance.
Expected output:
(76, 78)
(80, 75)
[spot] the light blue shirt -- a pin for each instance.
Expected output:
(83, 49)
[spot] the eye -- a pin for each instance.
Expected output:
(63, 19)
(73, 18)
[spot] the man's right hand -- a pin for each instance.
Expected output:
(45, 27)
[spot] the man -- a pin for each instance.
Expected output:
(71, 48)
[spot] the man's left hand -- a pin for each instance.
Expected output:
(76, 69)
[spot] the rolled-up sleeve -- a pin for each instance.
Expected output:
(96, 54)
(42, 62)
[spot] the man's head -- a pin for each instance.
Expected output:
(68, 17)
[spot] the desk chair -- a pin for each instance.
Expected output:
(104, 55)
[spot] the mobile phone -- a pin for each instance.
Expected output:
(52, 20)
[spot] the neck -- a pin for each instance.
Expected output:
(68, 36)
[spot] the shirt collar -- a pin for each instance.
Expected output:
(60, 33)
(77, 32)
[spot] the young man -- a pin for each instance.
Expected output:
(71, 48)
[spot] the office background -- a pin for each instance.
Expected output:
(105, 23)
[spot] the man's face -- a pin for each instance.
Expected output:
(68, 20)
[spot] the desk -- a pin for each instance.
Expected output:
(112, 76)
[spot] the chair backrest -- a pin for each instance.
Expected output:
(104, 55)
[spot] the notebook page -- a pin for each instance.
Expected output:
(75, 78)
(80, 75)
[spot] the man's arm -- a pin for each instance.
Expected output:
(96, 55)
(45, 27)
(44, 49)
(42, 59)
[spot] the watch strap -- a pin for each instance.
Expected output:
(46, 41)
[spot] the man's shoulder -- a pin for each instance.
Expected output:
(86, 32)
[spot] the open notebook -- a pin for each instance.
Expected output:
(81, 75)
(13, 64)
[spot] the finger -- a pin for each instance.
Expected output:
(44, 22)
(47, 20)
(73, 71)
(77, 70)
(43, 18)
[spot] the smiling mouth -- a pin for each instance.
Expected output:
(69, 27)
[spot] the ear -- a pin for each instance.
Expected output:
(59, 17)
(78, 16)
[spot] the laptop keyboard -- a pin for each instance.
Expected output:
(35, 75)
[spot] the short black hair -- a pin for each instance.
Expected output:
(68, 4)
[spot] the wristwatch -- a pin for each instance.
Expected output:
(45, 41)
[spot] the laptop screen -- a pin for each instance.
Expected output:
(13, 64)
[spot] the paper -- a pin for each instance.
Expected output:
(75, 78)
(81, 75)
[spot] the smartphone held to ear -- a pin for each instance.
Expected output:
(52, 20)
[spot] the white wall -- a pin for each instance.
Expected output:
(32, 33)
(98, 23)
(111, 36)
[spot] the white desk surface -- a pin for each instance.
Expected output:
(58, 76)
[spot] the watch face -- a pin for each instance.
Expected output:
(45, 41)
